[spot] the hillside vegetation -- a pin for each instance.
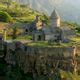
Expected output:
(15, 13)
(22, 13)
(5, 17)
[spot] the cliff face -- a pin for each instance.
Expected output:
(56, 52)
(35, 57)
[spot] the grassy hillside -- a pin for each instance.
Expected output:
(22, 13)
(69, 76)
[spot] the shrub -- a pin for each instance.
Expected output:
(78, 29)
(5, 17)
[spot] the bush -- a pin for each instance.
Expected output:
(78, 29)
(5, 17)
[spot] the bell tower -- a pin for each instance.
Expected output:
(55, 19)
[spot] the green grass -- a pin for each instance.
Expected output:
(76, 40)
(69, 75)
(22, 14)
(26, 37)
(2, 6)
(46, 44)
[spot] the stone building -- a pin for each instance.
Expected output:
(55, 30)
(28, 28)
(38, 35)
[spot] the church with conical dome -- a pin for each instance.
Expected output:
(54, 31)
(55, 19)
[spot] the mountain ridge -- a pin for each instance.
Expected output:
(68, 9)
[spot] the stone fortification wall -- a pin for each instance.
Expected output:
(39, 58)
(55, 51)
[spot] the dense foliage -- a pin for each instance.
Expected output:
(5, 17)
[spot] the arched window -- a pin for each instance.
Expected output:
(26, 30)
(39, 37)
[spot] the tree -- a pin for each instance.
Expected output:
(5, 17)
(8, 3)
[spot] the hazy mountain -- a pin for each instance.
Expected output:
(68, 9)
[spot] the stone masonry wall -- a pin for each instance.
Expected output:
(38, 58)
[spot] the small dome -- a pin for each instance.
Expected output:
(54, 15)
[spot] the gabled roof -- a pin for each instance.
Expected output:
(54, 15)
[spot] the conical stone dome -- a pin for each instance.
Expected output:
(54, 15)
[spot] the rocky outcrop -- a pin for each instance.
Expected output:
(43, 60)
